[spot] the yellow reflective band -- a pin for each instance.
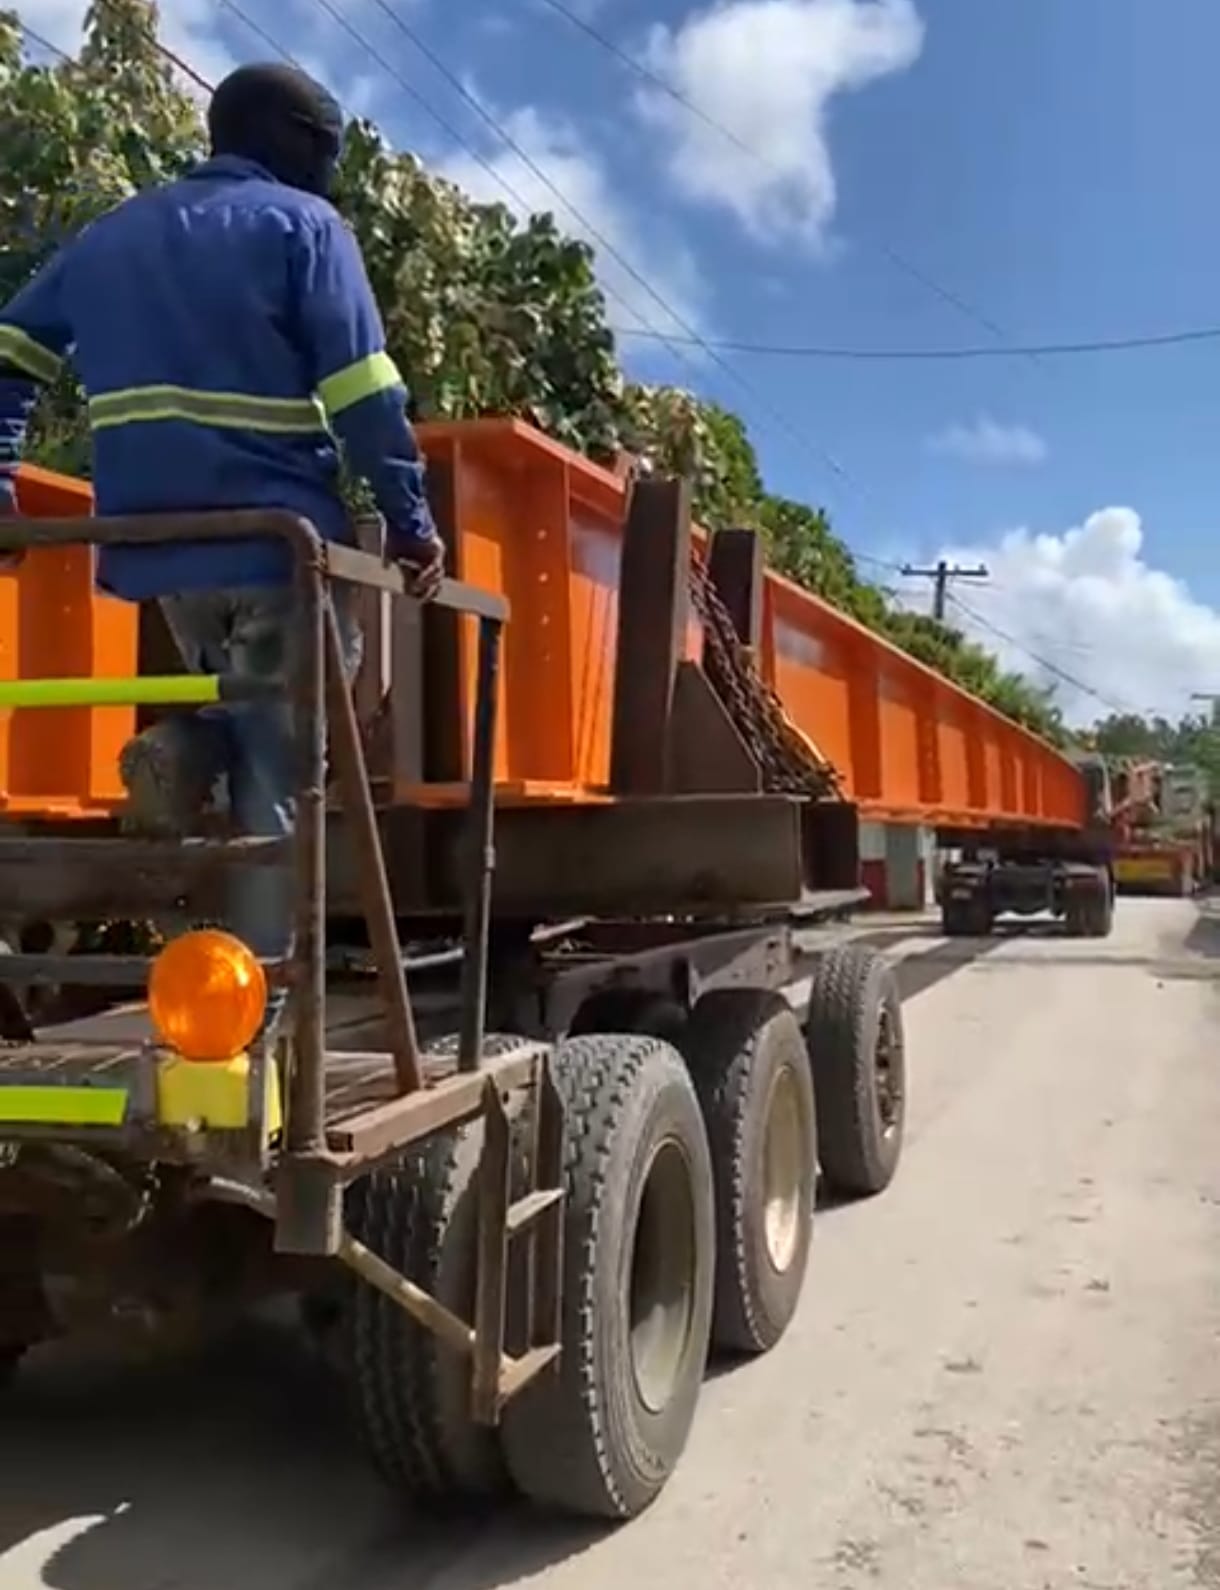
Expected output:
(16, 347)
(357, 381)
(149, 690)
(41, 1106)
(232, 410)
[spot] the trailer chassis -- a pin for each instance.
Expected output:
(335, 1147)
(1067, 875)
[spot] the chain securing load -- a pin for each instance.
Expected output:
(789, 761)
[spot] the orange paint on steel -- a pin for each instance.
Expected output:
(544, 526)
(54, 624)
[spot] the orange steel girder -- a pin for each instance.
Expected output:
(545, 526)
(540, 524)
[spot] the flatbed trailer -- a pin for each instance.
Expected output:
(531, 1151)
(996, 875)
(1064, 870)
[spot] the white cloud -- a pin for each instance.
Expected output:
(1089, 602)
(986, 441)
(593, 211)
(767, 70)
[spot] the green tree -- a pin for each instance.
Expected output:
(1193, 740)
(674, 433)
(76, 138)
(484, 314)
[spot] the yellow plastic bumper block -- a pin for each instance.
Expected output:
(214, 1095)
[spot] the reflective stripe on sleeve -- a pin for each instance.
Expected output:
(17, 347)
(231, 410)
(376, 373)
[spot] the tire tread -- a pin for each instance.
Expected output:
(850, 985)
(555, 1437)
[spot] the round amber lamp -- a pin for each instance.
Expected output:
(207, 995)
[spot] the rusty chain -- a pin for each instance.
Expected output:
(790, 763)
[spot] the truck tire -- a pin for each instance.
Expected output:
(855, 1038)
(1089, 912)
(601, 1433)
(411, 1393)
(962, 919)
(1101, 921)
(955, 918)
(751, 1070)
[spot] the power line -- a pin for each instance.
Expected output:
(259, 31)
(51, 49)
(691, 337)
(1045, 350)
(1043, 662)
(413, 93)
(162, 49)
(645, 72)
(458, 138)
(522, 154)
(183, 66)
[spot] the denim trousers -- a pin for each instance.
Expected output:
(252, 631)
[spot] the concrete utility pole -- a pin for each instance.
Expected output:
(942, 574)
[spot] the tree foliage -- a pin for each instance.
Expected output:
(488, 316)
(484, 313)
(1192, 740)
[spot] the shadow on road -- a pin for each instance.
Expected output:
(234, 1469)
(915, 968)
(237, 1467)
(1204, 937)
(916, 973)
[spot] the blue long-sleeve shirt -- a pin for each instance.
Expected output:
(225, 332)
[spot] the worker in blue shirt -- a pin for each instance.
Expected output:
(226, 336)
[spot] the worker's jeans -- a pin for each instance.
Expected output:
(252, 631)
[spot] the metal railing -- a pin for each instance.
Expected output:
(318, 693)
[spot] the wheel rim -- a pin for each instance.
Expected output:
(783, 1171)
(662, 1291)
(887, 1073)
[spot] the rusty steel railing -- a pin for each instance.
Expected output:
(318, 693)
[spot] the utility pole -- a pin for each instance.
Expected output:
(942, 574)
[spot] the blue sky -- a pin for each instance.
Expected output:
(1049, 162)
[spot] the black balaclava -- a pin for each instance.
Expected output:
(283, 120)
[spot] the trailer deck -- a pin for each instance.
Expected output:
(585, 1083)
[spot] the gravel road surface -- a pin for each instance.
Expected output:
(1005, 1374)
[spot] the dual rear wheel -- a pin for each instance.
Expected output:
(690, 1181)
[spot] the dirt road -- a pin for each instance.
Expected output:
(1005, 1374)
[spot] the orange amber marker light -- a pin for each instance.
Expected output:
(207, 995)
